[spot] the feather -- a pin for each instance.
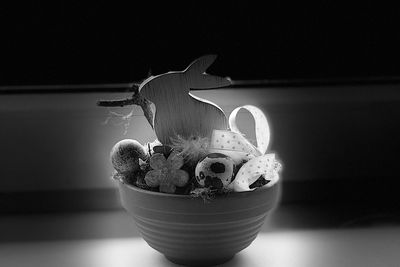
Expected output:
(192, 149)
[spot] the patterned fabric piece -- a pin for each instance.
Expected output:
(265, 165)
(234, 144)
(261, 126)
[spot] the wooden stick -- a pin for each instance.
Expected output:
(117, 103)
(134, 100)
(147, 107)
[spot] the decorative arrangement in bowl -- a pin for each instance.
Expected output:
(200, 193)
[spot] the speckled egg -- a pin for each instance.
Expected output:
(125, 156)
(215, 171)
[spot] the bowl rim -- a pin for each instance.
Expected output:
(232, 194)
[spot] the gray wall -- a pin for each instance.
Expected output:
(60, 142)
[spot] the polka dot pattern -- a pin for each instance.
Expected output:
(226, 140)
(261, 126)
(235, 145)
(265, 165)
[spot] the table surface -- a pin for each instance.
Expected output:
(292, 236)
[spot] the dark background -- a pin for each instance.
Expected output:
(339, 144)
(80, 42)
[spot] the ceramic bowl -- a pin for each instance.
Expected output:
(194, 232)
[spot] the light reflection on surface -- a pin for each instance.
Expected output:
(356, 247)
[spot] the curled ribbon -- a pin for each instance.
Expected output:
(261, 126)
(234, 144)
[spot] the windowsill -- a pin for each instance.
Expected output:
(294, 235)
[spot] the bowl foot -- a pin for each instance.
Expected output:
(199, 262)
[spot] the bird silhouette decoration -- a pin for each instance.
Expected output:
(173, 111)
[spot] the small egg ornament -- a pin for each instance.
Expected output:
(125, 156)
(215, 171)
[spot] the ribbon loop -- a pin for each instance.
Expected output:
(261, 126)
(234, 144)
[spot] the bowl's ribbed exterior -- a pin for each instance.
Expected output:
(192, 232)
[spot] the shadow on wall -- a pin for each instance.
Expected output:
(53, 142)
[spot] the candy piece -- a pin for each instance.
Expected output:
(215, 171)
(125, 156)
(149, 146)
(166, 173)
